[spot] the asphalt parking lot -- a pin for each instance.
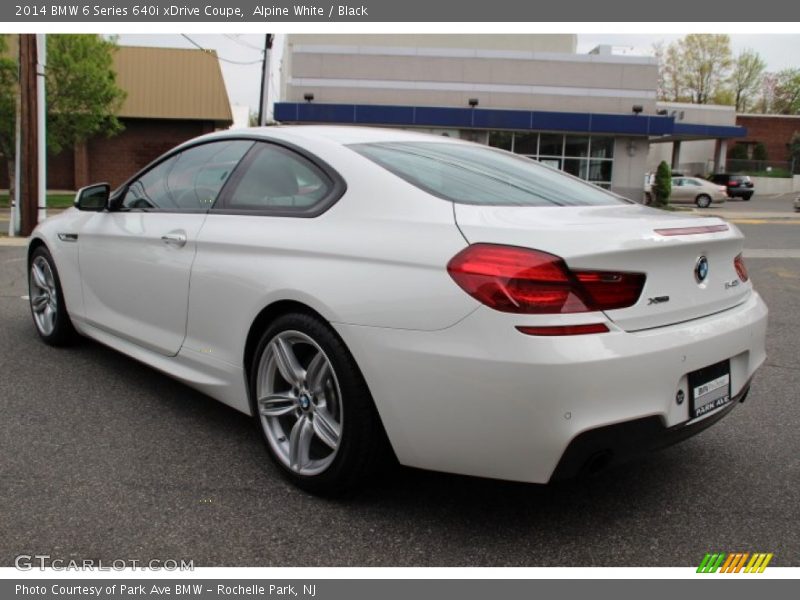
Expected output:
(103, 458)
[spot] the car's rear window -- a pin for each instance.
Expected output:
(472, 174)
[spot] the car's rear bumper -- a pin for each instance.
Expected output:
(597, 449)
(481, 398)
(741, 192)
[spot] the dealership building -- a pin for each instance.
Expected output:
(592, 115)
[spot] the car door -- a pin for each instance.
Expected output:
(257, 239)
(136, 258)
(680, 191)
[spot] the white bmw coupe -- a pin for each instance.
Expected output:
(363, 291)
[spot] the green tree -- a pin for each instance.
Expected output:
(745, 82)
(662, 185)
(786, 95)
(706, 62)
(82, 92)
(671, 75)
(8, 109)
(767, 93)
(696, 68)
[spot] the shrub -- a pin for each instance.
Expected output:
(662, 186)
(738, 152)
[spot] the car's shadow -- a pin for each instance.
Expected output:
(171, 447)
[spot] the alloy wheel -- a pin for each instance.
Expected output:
(43, 295)
(299, 403)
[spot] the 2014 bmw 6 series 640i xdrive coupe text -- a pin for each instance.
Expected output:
(363, 292)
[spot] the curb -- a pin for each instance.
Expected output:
(13, 242)
(761, 216)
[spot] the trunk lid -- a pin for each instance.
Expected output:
(625, 238)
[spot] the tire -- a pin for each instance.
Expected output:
(48, 308)
(747, 197)
(313, 408)
(703, 201)
(648, 199)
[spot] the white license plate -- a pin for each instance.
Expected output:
(709, 389)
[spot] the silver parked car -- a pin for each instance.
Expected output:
(693, 190)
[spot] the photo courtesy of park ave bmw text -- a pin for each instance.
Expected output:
(328, 300)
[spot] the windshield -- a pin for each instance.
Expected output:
(473, 174)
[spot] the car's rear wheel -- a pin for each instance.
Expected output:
(313, 407)
(47, 304)
(703, 201)
(747, 197)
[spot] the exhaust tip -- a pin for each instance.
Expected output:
(596, 463)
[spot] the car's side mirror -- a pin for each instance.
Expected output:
(93, 197)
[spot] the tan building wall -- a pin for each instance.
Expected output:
(500, 71)
(630, 160)
(566, 43)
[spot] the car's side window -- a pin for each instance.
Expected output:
(274, 179)
(200, 173)
(150, 190)
(188, 181)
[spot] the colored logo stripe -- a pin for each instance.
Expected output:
(758, 563)
(711, 562)
(734, 562)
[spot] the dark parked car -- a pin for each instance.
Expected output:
(739, 186)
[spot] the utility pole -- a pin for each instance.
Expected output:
(14, 217)
(27, 184)
(41, 126)
(262, 97)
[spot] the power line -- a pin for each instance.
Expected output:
(227, 60)
(235, 39)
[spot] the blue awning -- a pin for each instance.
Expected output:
(493, 118)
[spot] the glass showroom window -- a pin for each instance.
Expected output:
(588, 157)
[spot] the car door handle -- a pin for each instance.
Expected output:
(174, 239)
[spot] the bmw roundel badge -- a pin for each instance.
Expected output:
(701, 269)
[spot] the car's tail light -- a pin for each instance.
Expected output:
(733, 183)
(741, 268)
(521, 280)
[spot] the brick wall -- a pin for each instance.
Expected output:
(117, 158)
(774, 131)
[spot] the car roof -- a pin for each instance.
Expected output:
(337, 134)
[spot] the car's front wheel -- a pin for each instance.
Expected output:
(703, 201)
(313, 406)
(48, 308)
